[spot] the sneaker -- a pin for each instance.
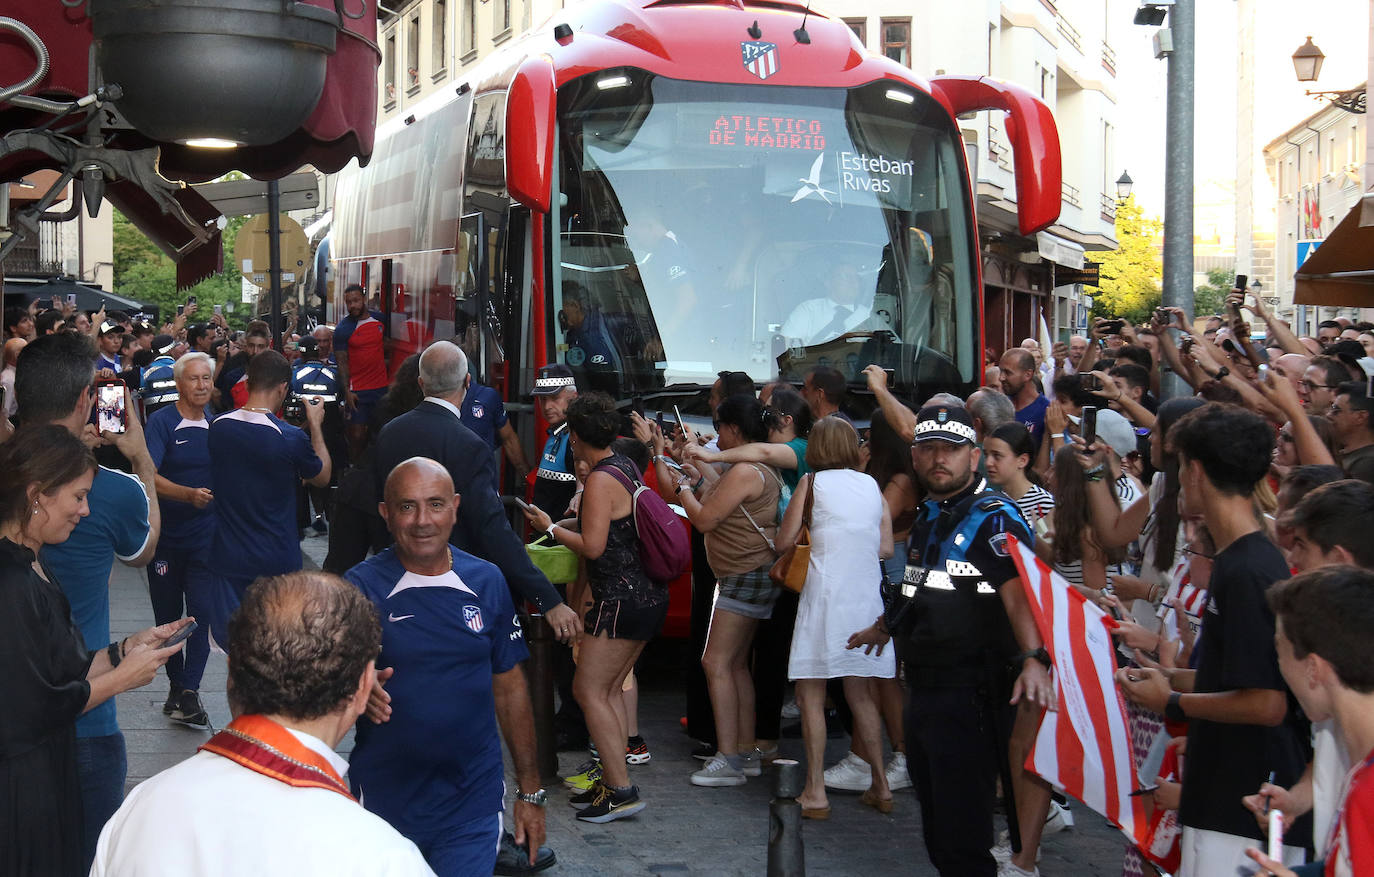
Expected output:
(849, 774)
(189, 710)
(751, 763)
(171, 703)
(592, 751)
(897, 776)
(718, 772)
(704, 752)
(790, 710)
(587, 775)
(1002, 851)
(611, 805)
(319, 525)
(1007, 869)
(637, 753)
(1060, 818)
(513, 858)
(583, 800)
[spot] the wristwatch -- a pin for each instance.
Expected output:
(1173, 710)
(1039, 654)
(1221, 373)
(538, 799)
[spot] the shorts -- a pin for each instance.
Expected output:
(625, 619)
(367, 401)
(751, 594)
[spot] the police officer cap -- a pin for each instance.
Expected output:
(307, 345)
(163, 345)
(553, 379)
(945, 423)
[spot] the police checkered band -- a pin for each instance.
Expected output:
(555, 476)
(950, 430)
(547, 383)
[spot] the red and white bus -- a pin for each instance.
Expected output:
(656, 191)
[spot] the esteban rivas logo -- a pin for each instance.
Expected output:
(812, 182)
(856, 172)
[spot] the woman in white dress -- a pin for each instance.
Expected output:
(851, 532)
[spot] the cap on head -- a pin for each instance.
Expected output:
(946, 424)
(553, 379)
(110, 326)
(1116, 432)
(163, 344)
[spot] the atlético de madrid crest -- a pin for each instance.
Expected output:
(472, 617)
(760, 58)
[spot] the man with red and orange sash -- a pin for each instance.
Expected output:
(266, 796)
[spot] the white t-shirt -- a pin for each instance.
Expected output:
(209, 816)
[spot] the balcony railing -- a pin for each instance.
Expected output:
(1108, 208)
(1109, 59)
(1069, 194)
(1069, 32)
(41, 257)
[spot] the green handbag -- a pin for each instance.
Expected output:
(557, 562)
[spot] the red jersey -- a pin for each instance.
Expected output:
(364, 340)
(1351, 851)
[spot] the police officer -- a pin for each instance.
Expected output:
(312, 377)
(554, 482)
(969, 641)
(159, 387)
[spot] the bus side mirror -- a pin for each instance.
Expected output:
(1034, 141)
(530, 107)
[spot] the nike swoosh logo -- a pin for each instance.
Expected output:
(182, 441)
(393, 617)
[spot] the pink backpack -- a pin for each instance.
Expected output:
(663, 545)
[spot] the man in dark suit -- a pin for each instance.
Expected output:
(433, 429)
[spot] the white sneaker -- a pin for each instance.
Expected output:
(1060, 818)
(849, 774)
(1007, 869)
(751, 763)
(897, 776)
(1002, 850)
(718, 772)
(790, 710)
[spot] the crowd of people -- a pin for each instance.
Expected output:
(1224, 530)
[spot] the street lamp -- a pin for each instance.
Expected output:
(1307, 61)
(1256, 287)
(1123, 186)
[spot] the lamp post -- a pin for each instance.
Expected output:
(1124, 184)
(1307, 65)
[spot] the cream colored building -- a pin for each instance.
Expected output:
(1062, 51)
(80, 247)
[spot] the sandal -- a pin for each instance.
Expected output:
(818, 813)
(882, 805)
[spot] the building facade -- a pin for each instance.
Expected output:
(78, 246)
(1061, 51)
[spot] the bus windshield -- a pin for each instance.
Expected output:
(705, 228)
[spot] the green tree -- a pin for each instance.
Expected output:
(1210, 298)
(1131, 274)
(145, 274)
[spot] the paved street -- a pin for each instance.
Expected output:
(684, 830)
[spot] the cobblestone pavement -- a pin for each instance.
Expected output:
(684, 830)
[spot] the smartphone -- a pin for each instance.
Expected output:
(686, 430)
(523, 505)
(1088, 427)
(1185, 345)
(891, 376)
(71, 299)
(1241, 281)
(1264, 372)
(1090, 382)
(181, 309)
(219, 309)
(180, 636)
(110, 415)
(190, 299)
(673, 464)
(2, 401)
(1162, 315)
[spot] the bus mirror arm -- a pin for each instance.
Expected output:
(1034, 140)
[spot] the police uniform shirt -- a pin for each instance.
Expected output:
(483, 412)
(314, 378)
(159, 386)
(180, 449)
(255, 461)
(959, 619)
(555, 483)
(437, 762)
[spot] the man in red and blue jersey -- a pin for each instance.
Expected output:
(360, 348)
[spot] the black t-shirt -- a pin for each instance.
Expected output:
(1225, 761)
(960, 627)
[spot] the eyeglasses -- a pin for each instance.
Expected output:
(1336, 409)
(1311, 386)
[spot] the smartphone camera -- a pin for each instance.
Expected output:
(1088, 425)
(891, 377)
(110, 415)
(190, 299)
(1090, 382)
(293, 411)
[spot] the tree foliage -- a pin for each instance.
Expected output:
(144, 273)
(1209, 298)
(1131, 275)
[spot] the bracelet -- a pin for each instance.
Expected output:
(1059, 435)
(1095, 473)
(697, 486)
(1173, 709)
(1039, 654)
(549, 532)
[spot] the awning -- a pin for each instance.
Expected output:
(1340, 273)
(1059, 251)
(20, 291)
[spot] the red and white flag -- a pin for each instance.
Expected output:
(1084, 747)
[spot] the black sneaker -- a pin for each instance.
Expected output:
(171, 704)
(190, 710)
(611, 805)
(513, 858)
(319, 525)
(583, 800)
(704, 752)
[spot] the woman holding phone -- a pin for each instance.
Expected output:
(48, 677)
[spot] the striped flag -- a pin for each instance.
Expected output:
(1085, 746)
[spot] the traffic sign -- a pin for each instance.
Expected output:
(251, 251)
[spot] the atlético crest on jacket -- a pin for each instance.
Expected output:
(760, 58)
(472, 617)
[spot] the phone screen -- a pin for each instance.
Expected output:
(109, 406)
(219, 309)
(180, 636)
(1089, 425)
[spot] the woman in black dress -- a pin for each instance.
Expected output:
(47, 675)
(628, 609)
